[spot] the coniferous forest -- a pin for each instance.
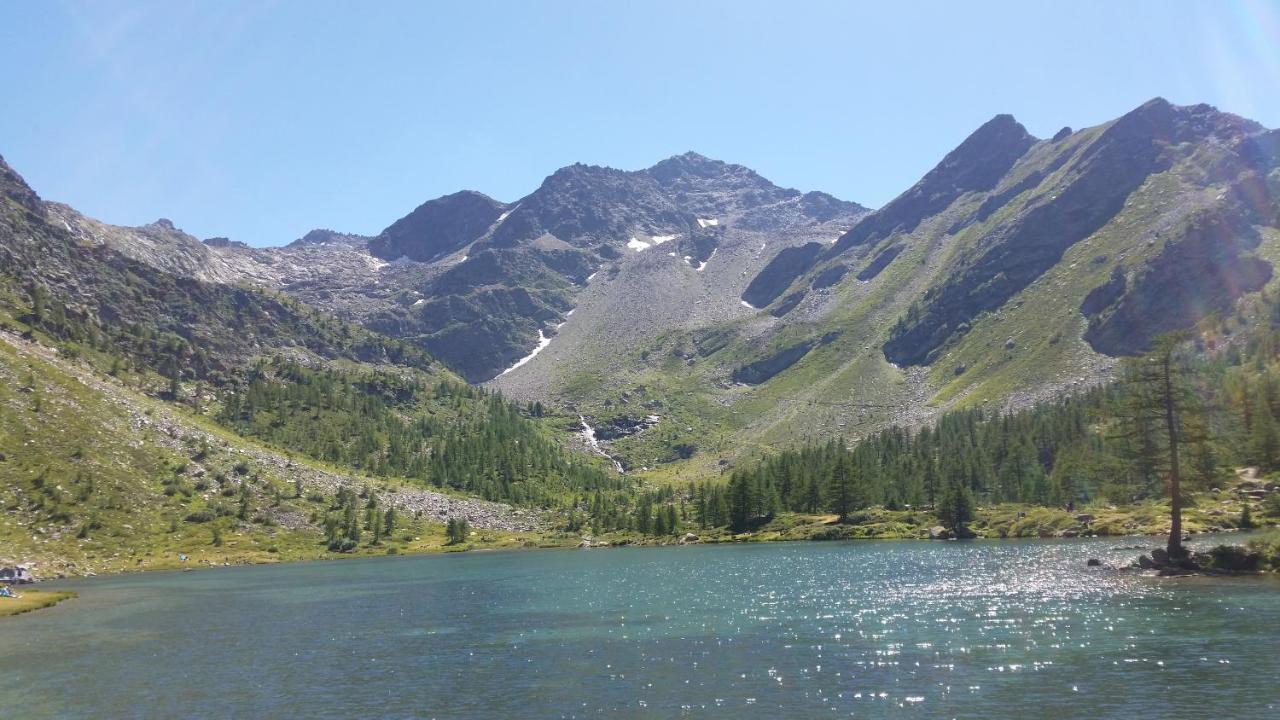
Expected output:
(1103, 444)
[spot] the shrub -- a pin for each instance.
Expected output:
(342, 545)
(1269, 549)
(1234, 558)
(1271, 506)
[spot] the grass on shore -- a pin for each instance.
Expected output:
(1268, 546)
(31, 600)
(1206, 513)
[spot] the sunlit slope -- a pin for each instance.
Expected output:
(1162, 218)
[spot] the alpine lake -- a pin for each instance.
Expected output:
(865, 629)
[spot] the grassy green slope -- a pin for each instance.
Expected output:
(1029, 348)
(98, 477)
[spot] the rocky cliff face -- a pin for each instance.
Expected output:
(1203, 269)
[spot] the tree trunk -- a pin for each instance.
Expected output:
(1175, 486)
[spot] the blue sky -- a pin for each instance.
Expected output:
(262, 120)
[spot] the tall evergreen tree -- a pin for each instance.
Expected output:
(842, 489)
(1158, 394)
(956, 508)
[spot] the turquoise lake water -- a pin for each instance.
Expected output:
(1013, 629)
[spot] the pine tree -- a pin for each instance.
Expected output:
(39, 297)
(660, 523)
(1158, 395)
(457, 530)
(956, 507)
(245, 508)
(1264, 440)
(1069, 479)
(743, 499)
(841, 490)
(931, 481)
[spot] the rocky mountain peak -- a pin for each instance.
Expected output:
(689, 164)
(982, 159)
(588, 204)
(1158, 119)
(438, 227)
(976, 165)
(692, 174)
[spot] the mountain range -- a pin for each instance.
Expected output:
(694, 314)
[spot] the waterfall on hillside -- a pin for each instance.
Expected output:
(589, 434)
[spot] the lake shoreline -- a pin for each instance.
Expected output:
(1205, 512)
(630, 541)
(31, 601)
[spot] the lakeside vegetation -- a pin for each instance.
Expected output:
(31, 600)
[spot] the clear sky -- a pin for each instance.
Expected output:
(261, 120)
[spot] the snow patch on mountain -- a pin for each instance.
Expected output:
(543, 342)
(504, 216)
